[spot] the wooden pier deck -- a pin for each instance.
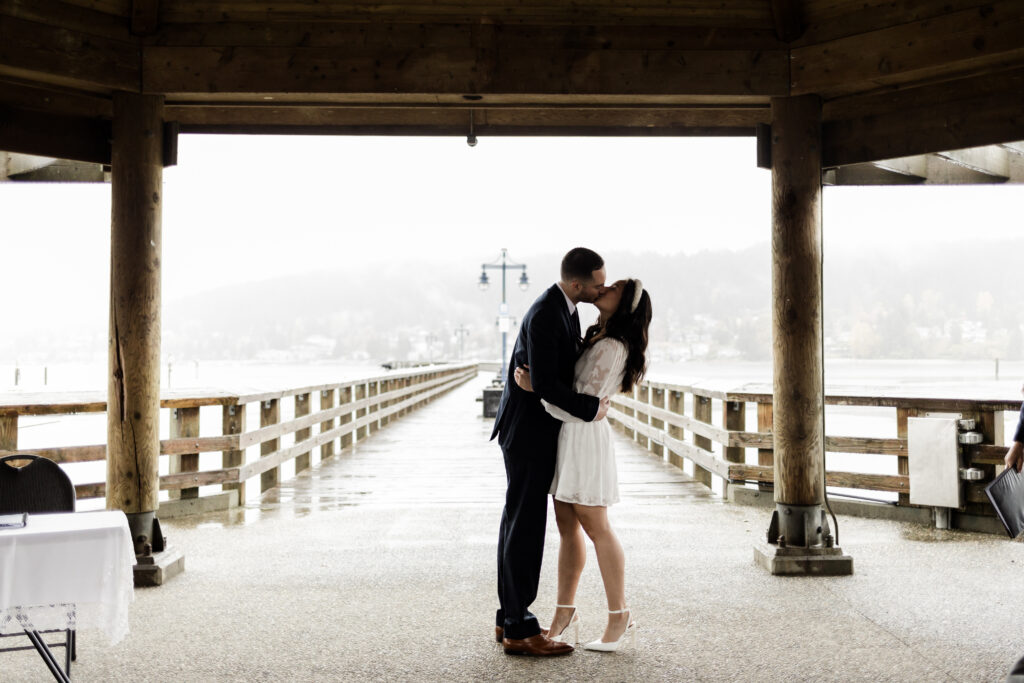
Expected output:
(379, 565)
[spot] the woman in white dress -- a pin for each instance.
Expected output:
(585, 482)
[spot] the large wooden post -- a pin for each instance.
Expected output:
(799, 523)
(133, 382)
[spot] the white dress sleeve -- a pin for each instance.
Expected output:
(599, 374)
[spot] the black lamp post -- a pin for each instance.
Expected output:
(505, 264)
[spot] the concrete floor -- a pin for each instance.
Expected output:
(379, 565)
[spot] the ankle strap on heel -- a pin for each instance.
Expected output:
(618, 611)
(566, 606)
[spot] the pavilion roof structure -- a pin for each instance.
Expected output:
(899, 82)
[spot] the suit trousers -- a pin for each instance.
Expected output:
(521, 539)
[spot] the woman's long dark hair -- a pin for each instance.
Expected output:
(630, 328)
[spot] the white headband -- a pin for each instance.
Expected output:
(636, 295)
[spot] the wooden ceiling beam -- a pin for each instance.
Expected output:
(51, 54)
(991, 160)
(868, 174)
(788, 16)
(402, 35)
(61, 14)
(145, 17)
(40, 97)
(974, 112)
(52, 135)
(741, 13)
(455, 121)
(833, 19)
(977, 40)
(178, 71)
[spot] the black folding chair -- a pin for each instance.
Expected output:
(39, 486)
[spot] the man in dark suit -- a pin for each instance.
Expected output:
(548, 343)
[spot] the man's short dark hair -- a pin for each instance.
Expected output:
(580, 264)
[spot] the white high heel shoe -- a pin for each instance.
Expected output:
(615, 646)
(574, 622)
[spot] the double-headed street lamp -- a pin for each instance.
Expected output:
(504, 322)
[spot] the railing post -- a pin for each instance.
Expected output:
(9, 432)
(345, 396)
(765, 456)
(233, 422)
(658, 401)
(184, 425)
(629, 413)
(302, 461)
(902, 464)
(990, 423)
(734, 417)
(374, 408)
(407, 384)
(326, 402)
(676, 403)
(361, 393)
(385, 387)
(270, 414)
(643, 395)
(702, 412)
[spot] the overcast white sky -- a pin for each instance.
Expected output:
(240, 208)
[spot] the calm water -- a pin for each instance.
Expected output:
(969, 379)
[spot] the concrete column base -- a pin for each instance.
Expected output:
(158, 568)
(803, 561)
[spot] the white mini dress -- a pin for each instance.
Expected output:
(585, 465)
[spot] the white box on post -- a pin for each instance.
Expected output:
(934, 462)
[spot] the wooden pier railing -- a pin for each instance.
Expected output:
(346, 412)
(676, 421)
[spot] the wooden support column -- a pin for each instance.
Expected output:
(799, 541)
(133, 383)
(702, 412)
(302, 461)
(184, 425)
(798, 421)
(233, 422)
(327, 402)
(270, 414)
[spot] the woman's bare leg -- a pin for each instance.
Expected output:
(612, 562)
(572, 555)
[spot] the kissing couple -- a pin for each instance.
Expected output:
(553, 434)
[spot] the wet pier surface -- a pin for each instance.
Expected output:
(379, 564)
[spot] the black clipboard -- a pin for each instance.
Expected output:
(15, 521)
(1007, 495)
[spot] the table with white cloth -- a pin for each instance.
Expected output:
(67, 571)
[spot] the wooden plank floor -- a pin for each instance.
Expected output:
(442, 456)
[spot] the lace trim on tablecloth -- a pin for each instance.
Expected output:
(113, 623)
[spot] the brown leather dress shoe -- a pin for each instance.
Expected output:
(537, 646)
(499, 633)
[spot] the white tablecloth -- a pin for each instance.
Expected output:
(67, 570)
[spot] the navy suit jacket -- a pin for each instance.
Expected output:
(547, 343)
